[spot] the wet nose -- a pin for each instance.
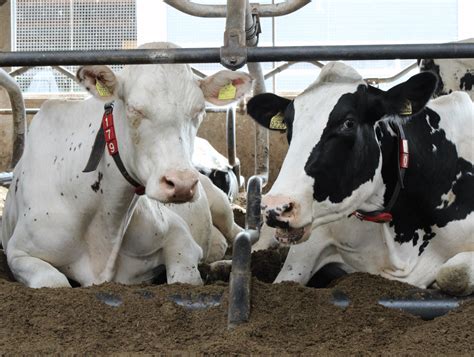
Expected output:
(179, 185)
(280, 211)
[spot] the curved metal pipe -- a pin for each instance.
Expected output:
(18, 114)
(266, 10)
(392, 78)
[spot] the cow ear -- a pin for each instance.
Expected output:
(225, 87)
(100, 81)
(268, 110)
(410, 97)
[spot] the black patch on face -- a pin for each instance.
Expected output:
(273, 219)
(429, 65)
(431, 174)
(347, 154)
(96, 185)
(466, 81)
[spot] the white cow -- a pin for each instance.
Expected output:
(401, 163)
(61, 223)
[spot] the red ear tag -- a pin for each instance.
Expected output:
(237, 81)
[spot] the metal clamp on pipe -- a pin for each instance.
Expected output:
(234, 51)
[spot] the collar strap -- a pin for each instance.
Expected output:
(384, 215)
(106, 138)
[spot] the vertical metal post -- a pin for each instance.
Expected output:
(231, 146)
(261, 134)
(240, 276)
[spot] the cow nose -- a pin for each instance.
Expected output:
(179, 185)
(280, 211)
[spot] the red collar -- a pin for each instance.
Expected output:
(106, 137)
(384, 215)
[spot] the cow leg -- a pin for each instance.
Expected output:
(305, 259)
(182, 255)
(34, 272)
(456, 276)
(217, 246)
(221, 211)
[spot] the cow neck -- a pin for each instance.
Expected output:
(384, 215)
(106, 137)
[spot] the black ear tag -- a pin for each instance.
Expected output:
(97, 151)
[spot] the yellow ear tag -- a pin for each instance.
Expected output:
(227, 92)
(277, 122)
(406, 108)
(101, 89)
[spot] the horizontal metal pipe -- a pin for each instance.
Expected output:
(360, 52)
(265, 10)
(425, 303)
(254, 54)
(6, 111)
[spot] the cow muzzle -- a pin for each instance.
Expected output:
(282, 213)
(178, 186)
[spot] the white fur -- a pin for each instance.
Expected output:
(55, 225)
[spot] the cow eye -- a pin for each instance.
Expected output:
(348, 124)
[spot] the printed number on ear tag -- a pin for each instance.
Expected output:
(227, 92)
(277, 122)
(101, 89)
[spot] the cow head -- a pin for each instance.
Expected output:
(333, 165)
(157, 110)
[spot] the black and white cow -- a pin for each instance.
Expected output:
(453, 74)
(359, 155)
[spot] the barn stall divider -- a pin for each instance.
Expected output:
(240, 41)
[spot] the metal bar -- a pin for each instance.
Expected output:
(254, 199)
(425, 303)
(265, 10)
(65, 72)
(392, 78)
(240, 276)
(262, 161)
(233, 53)
(257, 54)
(6, 111)
(239, 281)
(231, 145)
(19, 117)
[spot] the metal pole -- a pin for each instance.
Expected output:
(425, 303)
(265, 10)
(261, 133)
(233, 53)
(240, 276)
(231, 146)
(19, 115)
(254, 54)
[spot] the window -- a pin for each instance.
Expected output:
(115, 24)
(42, 25)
